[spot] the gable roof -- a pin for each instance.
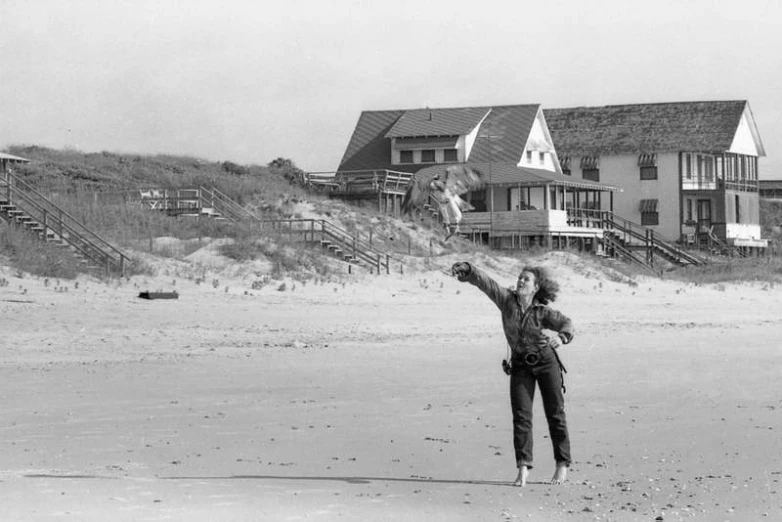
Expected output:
(508, 127)
(437, 122)
(654, 127)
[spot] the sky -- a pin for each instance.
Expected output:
(251, 81)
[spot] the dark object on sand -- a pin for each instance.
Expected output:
(159, 295)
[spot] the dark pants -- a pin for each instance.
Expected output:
(548, 377)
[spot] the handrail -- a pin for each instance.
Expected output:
(223, 204)
(653, 240)
(357, 247)
(627, 254)
(724, 247)
(84, 240)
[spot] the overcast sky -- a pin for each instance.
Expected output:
(249, 81)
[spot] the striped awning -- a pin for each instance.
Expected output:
(648, 205)
(647, 160)
(590, 162)
(564, 162)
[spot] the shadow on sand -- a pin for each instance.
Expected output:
(348, 480)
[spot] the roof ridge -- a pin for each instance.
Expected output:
(646, 104)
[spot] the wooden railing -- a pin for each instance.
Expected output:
(223, 205)
(201, 201)
(630, 233)
(360, 181)
(332, 237)
(67, 229)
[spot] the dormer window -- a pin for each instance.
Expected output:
(425, 149)
(529, 156)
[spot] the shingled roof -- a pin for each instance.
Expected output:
(368, 147)
(658, 127)
(501, 137)
(437, 122)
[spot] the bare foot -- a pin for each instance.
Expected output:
(521, 480)
(560, 474)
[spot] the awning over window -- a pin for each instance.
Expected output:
(590, 162)
(648, 205)
(564, 162)
(647, 160)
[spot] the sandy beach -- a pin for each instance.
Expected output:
(381, 398)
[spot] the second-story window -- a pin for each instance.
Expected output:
(590, 168)
(427, 156)
(405, 156)
(647, 163)
(564, 162)
(542, 158)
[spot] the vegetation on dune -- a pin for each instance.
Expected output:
(96, 189)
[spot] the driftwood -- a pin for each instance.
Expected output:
(159, 295)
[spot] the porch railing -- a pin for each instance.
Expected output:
(360, 181)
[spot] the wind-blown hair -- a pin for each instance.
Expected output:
(547, 287)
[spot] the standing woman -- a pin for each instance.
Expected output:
(534, 359)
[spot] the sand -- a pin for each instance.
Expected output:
(380, 398)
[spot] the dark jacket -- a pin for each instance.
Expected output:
(524, 334)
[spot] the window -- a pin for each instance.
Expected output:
(649, 214)
(590, 168)
(542, 157)
(648, 166)
(529, 156)
(648, 173)
(689, 211)
(427, 156)
(477, 199)
(405, 156)
(738, 208)
(591, 174)
(688, 166)
(450, 155)
(564, 162)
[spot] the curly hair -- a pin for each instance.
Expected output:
(547, 287)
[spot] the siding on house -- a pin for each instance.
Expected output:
(618, 135)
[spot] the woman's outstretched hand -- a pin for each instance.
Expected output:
(461, 270)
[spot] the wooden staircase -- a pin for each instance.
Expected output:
(709, 242)
(195, 202)
(640, 245)
(334, 241)
(23, 206)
